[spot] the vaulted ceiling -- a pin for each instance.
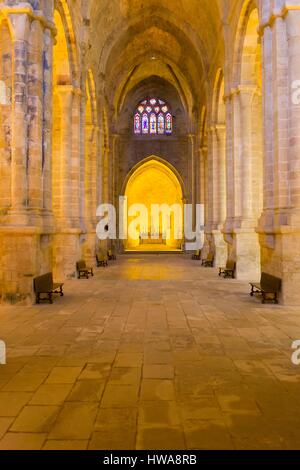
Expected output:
(176, 40)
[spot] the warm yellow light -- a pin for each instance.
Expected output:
(154, 183)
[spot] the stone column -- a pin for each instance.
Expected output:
(193, 175)
(279, 227)
(230, 174)
(290, 236)
(293, 36)
(20, 119)
(246, 240)
(210, 184)
(66, 249)
(219, 183)
(77, 157)
(65, 94)
(21, 235)
(246, 195)
(204, 191)
(90, 193)
(47, 124)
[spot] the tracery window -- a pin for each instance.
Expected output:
(153, 116)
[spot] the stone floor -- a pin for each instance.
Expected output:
(154, 352)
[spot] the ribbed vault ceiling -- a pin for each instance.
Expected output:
(176, 40)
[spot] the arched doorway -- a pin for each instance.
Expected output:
(154, 208)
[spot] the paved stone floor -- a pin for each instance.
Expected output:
(154, 352)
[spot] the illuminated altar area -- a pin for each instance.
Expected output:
(154, 183)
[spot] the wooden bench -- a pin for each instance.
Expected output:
(111, 255)
(209, 261)
(83, 270)
(44, 285)
(229, 270)
(269, 286)
(101, 259)
(197, 255)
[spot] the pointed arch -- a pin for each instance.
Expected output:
(247, 51)
(218, 105)
(153, 182)
(62, 16)
(160, 160)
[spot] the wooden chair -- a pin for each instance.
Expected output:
(44, 285)
(197, 255)
(83, 270)
(229, 270)
(269, 286)
(209, 261)
(101, 259)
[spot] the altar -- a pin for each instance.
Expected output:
(152, 239)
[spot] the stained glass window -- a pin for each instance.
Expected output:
(168, 124)
(137, 123)
(145, 121)
(161, 123)
(153, 123)
(153, 117)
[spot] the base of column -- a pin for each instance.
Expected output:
(246, 253)
(66, 252)
(24, 254)
(280, 254)
(220, 248)
(208, 245)
(88, 248)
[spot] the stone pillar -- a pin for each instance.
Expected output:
(239, 229)
(77, 157)
(230, 174)
(65, 94)
(293, 36)
(17, 240)
(192, 196)
(66, 249)
(35, 118)
(290, 239)
(47, 126)
(204, 193)
(216, 180)
(210, 184)
(90, 193)
(246, 195)
(20, 118)
(22, 233)
(219, 194)
(279, 227)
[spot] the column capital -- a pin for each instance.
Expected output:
(241, 89)
(25, 8)
(275, 15)
(68, 89)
